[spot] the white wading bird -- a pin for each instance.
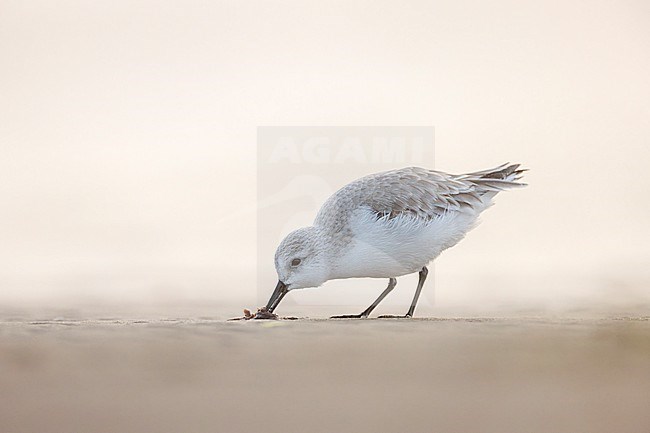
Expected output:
(385, 225)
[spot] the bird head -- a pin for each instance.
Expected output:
(301, 261)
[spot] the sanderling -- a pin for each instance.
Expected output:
(386, 225)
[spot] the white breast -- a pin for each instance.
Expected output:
(383, 248)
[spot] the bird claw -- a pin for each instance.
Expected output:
(390, 316)
(349, 316)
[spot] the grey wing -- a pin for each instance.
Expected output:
(418, 192)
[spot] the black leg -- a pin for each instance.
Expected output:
(423, 276)
(391, 285)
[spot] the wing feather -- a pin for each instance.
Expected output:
(417, 192)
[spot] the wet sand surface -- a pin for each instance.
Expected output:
(454, 374)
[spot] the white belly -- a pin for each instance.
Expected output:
(383, 248)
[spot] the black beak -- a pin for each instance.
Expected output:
(276, 297)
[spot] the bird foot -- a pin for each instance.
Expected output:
(390, 316)
(349, 316)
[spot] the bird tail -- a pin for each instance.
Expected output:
(505, 176)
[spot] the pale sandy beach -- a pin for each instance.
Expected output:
(61, 374)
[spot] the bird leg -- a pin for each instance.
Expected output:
(423, 276)
(392, 282)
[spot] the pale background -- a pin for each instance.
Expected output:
(128, 131)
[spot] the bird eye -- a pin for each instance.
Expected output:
(295, 262)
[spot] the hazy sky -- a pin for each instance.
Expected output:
(128, 136)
